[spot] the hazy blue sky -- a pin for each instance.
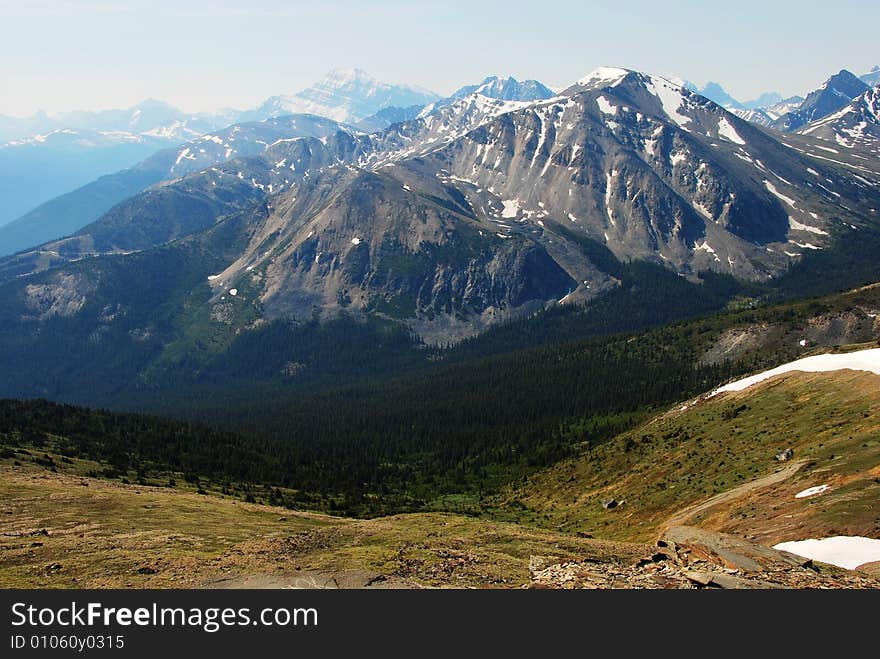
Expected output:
(201, 54)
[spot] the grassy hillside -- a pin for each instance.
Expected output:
(712, 446)
(67, 531)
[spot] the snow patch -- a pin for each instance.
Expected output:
(811, 491)
(777, 194)
(727, 131)
(671, 98)
(797, 226)
(604, 106)
(844, 551)
(604, 74)
(862, 360)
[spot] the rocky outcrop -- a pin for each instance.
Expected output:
(688, 557)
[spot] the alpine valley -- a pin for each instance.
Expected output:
(472, 340)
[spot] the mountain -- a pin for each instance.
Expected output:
(388, 116)
(411, 138)
(715, 92)
(482, 211)
(765, 100)
(348, 95)
(46, 156)
(150, 117)
(856, 125)
(769, 115)
(502, 91)
(507, 89)
(342, 93)
(70, 212)
(872, 77)
(12, 128)
(834, 94)
(784, 106)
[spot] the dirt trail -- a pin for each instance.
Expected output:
(682, 516)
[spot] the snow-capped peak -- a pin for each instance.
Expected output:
(346, 95)
(347, 76)
(605, 76)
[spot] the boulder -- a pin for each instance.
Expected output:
(692, 544)
(786, 455)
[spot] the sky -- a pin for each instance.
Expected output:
(201, 55)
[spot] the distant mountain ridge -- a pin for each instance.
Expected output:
(344, 95)
(43, 157)
(507, 89)
(72, 211)
(68, 213)
(149, 118)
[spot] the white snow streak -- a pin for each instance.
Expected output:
(843, 551)
(862, 360)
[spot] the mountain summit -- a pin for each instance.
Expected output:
(857, 125)
(872, 77)
(507, 89)
(834, 94)
(347, 95)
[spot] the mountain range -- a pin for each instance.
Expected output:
(37, 154)
(474, 213)
(69, 212)
(37, 171)
(43, 157)
(620, 334)
(344, 95)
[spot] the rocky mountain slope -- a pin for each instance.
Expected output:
(72, 211)
(856, 125)
(38, 170)
(834, 94)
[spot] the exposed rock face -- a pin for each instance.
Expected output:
(858, 325)
(64, 295)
